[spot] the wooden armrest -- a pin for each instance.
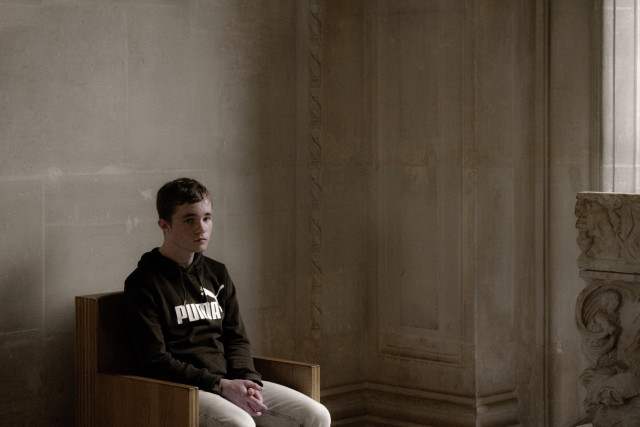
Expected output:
(128, 400)
(300, 376)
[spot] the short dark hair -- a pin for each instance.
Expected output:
(176, 193)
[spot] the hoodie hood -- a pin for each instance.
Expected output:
(189, 282)
(154, 260)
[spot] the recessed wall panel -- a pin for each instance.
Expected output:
(419, 184)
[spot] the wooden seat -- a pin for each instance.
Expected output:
(109, 391)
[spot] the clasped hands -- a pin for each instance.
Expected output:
(245, 394)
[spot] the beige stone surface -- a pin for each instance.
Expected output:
(101, 103)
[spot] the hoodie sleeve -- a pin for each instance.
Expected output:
(145, 332)
(237, 347)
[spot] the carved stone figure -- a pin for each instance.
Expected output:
(598, 226)
(608, 232)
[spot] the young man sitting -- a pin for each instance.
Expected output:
(186, 327)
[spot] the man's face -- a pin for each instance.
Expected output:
(190, 227)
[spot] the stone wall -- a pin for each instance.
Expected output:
(101, 103)
(392, 184)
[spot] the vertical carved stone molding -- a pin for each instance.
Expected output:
(315, 166)
(608, 308)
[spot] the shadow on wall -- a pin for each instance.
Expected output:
(38, 368)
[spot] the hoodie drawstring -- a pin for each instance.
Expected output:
(203, 291)
(184, 289)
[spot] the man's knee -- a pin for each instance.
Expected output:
(216, 411)
(227, 421)
(320, 416)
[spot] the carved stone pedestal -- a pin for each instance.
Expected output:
(608, 308)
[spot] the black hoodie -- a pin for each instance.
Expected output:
(185, 323)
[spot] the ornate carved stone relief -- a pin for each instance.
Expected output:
(609, 232)
(608, 308)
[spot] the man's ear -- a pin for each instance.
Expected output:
(163, 224)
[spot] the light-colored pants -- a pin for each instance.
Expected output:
(287, 407)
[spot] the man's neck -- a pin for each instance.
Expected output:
(182, 258)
